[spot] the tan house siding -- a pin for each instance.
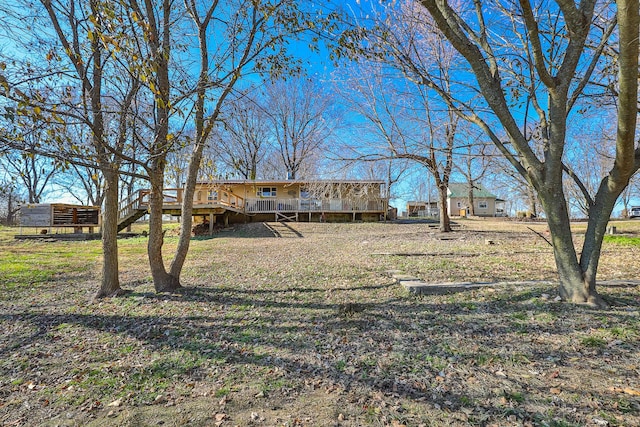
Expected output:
(485, 203)
(483, 206)
(322, 200)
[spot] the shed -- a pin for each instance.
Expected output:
(60, 216)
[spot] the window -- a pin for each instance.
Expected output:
(266, 191)
(482, 205)
(459, 204)
(212, 195)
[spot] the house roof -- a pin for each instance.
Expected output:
(462, 190)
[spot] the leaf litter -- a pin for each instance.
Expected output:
(311, 332)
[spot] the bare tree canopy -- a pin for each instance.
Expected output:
(299, 114)
(546, 57)
(523, 70)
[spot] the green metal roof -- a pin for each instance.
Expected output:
(462, 190)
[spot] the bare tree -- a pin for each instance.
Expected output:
(244, 138)
(33, 171)
(532, 65)
(591, 145)
(521, 193)
(300, 118)
(254, 42)
(10, 201)
(552, 81)
(409, 124)
(61, 80)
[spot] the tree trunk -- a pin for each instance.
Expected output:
(472, 210)
(162, 281)
(10, 210)
(575, 285)
(187, 213)
(599, 215)
(445, 223)
(531, 193)
(110, 285)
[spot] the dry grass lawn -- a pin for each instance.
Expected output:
(309, 330)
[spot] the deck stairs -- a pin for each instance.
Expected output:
(284, 230)
(131, 209)
(133, 216)
(134, 207)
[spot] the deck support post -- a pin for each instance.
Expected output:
(212, 218)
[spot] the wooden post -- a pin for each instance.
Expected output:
(212, 218)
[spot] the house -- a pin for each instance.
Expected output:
(238, 201)
(484, 202)
(419, 208)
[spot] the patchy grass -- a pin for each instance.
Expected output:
(622, 240)
(32, 264)
(311, 332)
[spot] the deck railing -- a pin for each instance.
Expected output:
(312, 205)
(133, 203)
(173, 199)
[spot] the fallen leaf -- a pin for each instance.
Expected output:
(631, 391)
(625, 390)
(115, 403)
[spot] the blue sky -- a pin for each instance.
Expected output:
(320, 67)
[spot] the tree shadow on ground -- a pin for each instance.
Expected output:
(418, 349)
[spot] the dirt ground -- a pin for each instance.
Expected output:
(308, 329)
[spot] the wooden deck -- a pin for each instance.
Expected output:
(215, 201)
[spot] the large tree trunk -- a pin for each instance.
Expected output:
(110, 285)
(578, 276)
(187, 213)
(162, 281)
(599, 214)
(572, 285)
(472, 209)
(160, 45)
(445, 223)
(533, 209)
(10, 209)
